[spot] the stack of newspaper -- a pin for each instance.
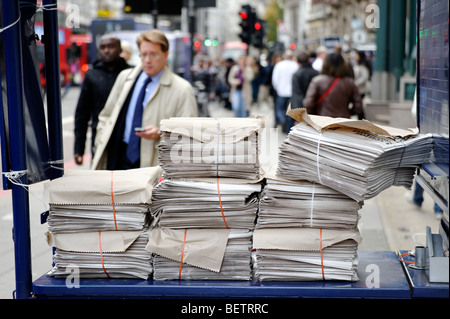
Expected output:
(207, 203)
(201, 254)
(113, 254)
(99, 221)
(208, 147)
(357, 158)
(286, 203)
(83, 201)
(205, 208)
(305, 254)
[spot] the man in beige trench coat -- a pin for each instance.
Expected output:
(169, 96)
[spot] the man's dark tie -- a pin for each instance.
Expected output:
(133, 148)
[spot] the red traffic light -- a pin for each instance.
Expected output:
(257, 26)
(243, 14)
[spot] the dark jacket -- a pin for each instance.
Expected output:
(300, 83)
(336, 104)
(97, 85)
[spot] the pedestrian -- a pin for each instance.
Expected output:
(127, 51)
(331, 92)
(97, 85)
(301, 79)
(362, 71)
(201, 74)
(240, 78)
(346, 55)
(223, 86)
(282, 83)
(128, 139)
(258, 76)
(272, 61)
(321, 53)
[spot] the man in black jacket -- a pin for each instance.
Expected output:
(97, 85)
(301, 79)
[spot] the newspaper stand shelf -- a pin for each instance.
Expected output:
(381, 274)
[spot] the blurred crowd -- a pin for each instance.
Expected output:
(325, 82)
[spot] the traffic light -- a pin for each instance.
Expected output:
(258, 33)
(246, 23)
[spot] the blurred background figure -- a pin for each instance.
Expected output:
(301, 79)
(127, 50)
(273, 60)
(97, 84)
(321, 52)
(201, 82)
(282, 83)
(223, 86)
(333, 91)
(240, 78)
(362, 72)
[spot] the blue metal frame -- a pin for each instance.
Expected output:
(53, 88)
(433, 95)
(16, 138)
(17, 143)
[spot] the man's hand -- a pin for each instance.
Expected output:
(79, 159)
(150, 133)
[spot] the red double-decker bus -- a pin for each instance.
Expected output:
(64, 35)
(79, 54)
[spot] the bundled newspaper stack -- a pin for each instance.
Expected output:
(305, 254)
(206, 206)
(99, 221)
(203, 229)
(286, 203)
(307, 224)
(356, 158)
(101, 200)
(206, 203)
(201, 254)
(111, 254)
(208, 147)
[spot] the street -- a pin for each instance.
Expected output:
(388, 222)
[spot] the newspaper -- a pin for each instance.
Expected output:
(84, 201)
(114, 254)
(194, 254)
(206, 203)
(208, 147)
(286, 203)
(356, 158)
(305, 254)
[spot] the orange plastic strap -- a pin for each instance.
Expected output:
(321, 255)
(101, 252)
(112, 199)
(220, 202)
(182, 254)
(405, 261)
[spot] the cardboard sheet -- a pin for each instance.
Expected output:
(202, 248)
(98, 187)
(111, 241)
(321, 123)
